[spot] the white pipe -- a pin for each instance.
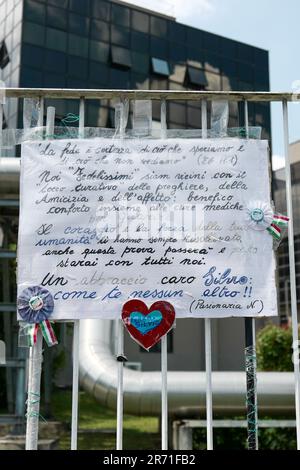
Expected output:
(186, 390)
(9, 175)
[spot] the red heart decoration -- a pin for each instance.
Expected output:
(147, 325)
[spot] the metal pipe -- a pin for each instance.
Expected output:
(9, 175)
(186, 390)
(97, 94)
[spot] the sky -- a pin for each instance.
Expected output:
(269, 24)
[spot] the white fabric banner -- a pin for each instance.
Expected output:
(182, 220)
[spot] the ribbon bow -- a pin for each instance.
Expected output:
(278, 222)
(260, 216)
(35, 306)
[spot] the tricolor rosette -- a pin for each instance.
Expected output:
(35, 305)
(260, 216)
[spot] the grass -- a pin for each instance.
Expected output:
(97, 425)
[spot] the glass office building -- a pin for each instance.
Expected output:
(283, 253)
(110, 44)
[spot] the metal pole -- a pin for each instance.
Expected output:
(75, 385)
(41, 112)
(34, 387)
(163, 118)
(8, 334)
(204, 118)
(20, 393)
(164, 393)
(81, 117)
(209, 408)
(207, 329)
(286, 299)
(120, 359)
(1, 125)
(76, 332)
(251, 402)
(50, 120)
(250, 356)
(288, 186)
(164, 340)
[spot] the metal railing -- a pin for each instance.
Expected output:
(203, 97)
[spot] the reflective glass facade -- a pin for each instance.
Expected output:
(11, 15)
(283, 253)
(109, 44)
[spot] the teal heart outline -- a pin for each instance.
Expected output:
(145, 323)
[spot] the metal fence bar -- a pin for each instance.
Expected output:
(120, 358)
(41, 112)
(164, 340)
(76, 332)
(288, 186)
(81, 117)
(75, 386)
(250, 355)
(1, 125)
(209, 406)
(207, 328)
(203, 96)
(69, 93)
(164, 393)
(34, 393)
(50, 122)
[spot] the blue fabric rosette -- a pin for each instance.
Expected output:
(35, 304)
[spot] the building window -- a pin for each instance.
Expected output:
(33, 33)
(140, 21)
(35, 12)
(196, 77)
(78, 45)
(159, 27)
(139, 42)
(120, 15)
(4, 57)
(140, 62)
(80, 7)
(100, 9)
(157, 347)
(79, 24)
(99, 51)
(100, 30)
(121, 56)
(56, 39)
(55, 61)
(59, 3)
(120, 36)
(57, 18)
(161, 67)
